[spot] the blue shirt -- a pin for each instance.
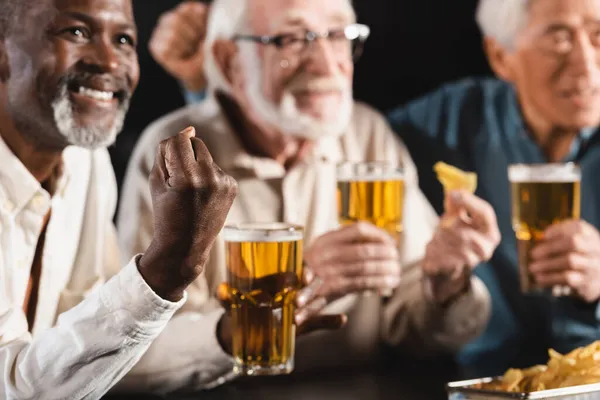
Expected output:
(193, 97)
(476, 125)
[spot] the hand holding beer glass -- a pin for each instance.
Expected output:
(270, 298)
(557, 249)
(372, 192)
(543, 195)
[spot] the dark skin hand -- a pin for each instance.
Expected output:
(309, 303)
(191, 197)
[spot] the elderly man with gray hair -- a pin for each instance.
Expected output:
(544, 108)
(279, 116)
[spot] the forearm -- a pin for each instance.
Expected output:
(92, 346)
(186, 356)
(414, 322)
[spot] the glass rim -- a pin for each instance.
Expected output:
(349, 171)
(544, 172)
(262, 232)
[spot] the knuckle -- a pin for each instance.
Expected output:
(361, 227)
(572, 260)
(163, 143)
(369, 268)
(366, 251)
(573, 241)
(579, 228)
(213, 181)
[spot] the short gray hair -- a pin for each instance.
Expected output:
(225, 18)
(502, 19)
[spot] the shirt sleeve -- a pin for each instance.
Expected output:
(187, 355)
(92, 345)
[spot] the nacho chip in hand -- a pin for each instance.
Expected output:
(453, 178)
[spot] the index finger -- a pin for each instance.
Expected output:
(179, 154)
(565, 228)
(481, 212)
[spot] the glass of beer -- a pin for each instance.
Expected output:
(264, 272)
(371, 192)
(542, 195)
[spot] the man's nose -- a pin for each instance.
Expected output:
(102, 56)
(322, 60)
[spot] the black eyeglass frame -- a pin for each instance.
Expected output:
(357, 33)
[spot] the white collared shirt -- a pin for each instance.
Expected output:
(83, 352)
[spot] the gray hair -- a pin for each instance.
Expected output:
(502, 19)
(225, 18)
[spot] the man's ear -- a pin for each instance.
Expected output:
(224, 52)
(4, 66)
(499, 58)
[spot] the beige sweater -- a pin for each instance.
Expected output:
(304, 195)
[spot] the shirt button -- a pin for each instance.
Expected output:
(39, 203)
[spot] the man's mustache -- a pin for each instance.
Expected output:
(311, 83)
(117, 84)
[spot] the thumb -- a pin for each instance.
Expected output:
(225, 296)
(322, 321)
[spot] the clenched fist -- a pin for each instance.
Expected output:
(191, 198)
(177, 43)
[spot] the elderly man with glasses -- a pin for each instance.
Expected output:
(278, 118)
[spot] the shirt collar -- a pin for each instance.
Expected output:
(17, 185)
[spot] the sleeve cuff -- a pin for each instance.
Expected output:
(466, 317)
(144, 312)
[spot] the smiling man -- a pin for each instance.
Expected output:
(280, 115)
(544, 107)
(67, 71)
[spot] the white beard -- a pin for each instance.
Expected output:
(287, 118)
(91, 137)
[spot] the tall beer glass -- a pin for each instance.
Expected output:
(264, 272)
(371, 192)
(542, 195)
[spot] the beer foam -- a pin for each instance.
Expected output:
(544, 173)
(268, 232)
(368, 171)
(389, 176)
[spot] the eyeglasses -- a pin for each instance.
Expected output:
(561, 42)
(348, 41)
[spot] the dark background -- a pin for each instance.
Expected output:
(415, 46)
